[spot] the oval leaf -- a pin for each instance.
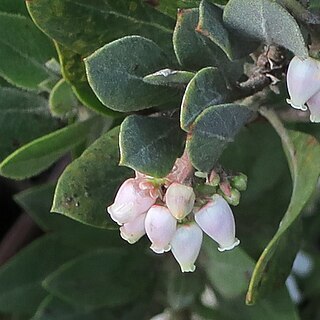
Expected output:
(211, 25)
(74, 72)
(207, 88)
(89, 183)
(265, 20)
(150, 145)
(116, 73)
(214, 128)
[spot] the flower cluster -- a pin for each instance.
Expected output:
(169, 214)
(303, 81)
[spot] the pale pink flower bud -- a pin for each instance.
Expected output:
(217, 221)
(133, 230)
(303, 81)
(160, 227)
(186, 245)
(180, 200)
(130, 202)
(314, 107)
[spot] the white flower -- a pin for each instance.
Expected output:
(180, 200)
(131, 201)
(314, 107)
(217, 221)
(303, 81)
(133, 230)
(160, 227)
(186, 244)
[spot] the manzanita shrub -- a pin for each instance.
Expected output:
(190, 134)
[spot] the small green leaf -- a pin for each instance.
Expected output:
(168, 77)
(150, 145)
(109, 277)
(28, 50)
(62, 99)
(52, 308)
(265, 20)
(74, 72)
(207, 88)
(84, 26)
(116, 73)
(89, 183)
(214, 128)
(38, 155)
(21, 277)
(20, 109)
(303, 152)
(211, 25)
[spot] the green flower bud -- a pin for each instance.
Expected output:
(234, 197)
(240, 182)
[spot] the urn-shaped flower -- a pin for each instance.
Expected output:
(217, 221)
(130, 201)
(160, 227)
(303, 81)
(133, 230)
(180, 200)
(186, 244)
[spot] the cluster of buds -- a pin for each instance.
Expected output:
(173, 219)
(303, 81)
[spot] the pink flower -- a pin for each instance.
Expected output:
(131, 201)
(186, 245)
(160, 227)
(180, 200)
(217, 221)
(133, 230)
(303, 81)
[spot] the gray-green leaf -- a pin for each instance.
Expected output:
(207, 88)
(150, 145)
(116, 73)
(214, 128)
(265, 20)
(89, 183)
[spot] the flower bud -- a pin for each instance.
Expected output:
(133, 230)
(314, 107)
(180, 200)
(233, 198)
(217, 221)
(303, 81)
(130, 202)
(240, 182)
(160, 227)
(186, 245)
